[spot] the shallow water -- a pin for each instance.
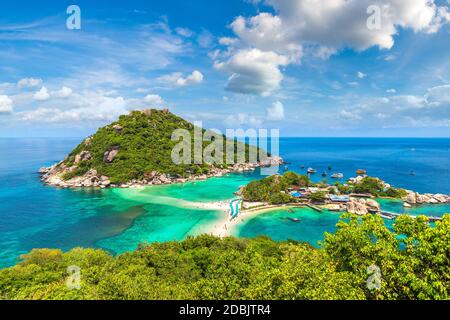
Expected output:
(36, 216)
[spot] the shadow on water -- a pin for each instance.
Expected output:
(86, 232)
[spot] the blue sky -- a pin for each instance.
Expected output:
(307, 67)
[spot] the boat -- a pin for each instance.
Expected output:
(311, 170)
(324, 174)
(361, 171)
(337, 175)
(412, 173)
(329, 168)
(302, 166)
(294, 219)
(290, 211)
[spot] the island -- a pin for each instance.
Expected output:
(355, 196)
(136, 151)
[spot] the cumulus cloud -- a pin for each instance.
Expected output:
(361, 75)
(391, 91)
(253, 71)
(275, 112)
(96, 107)
(64, 92)
(154, 100)
(243, 119)
(321, 27)
(266, 32)
(343, 23)
(6, 105)
(177, 78)
(29, 82)
(81, 108)
(42, 94)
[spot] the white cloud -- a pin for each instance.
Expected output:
(350, 115)
(321, 27)
(266, 32)
(431, 109)
(154, 100)
(177, 78)
(93, 107)
(275, 112)
(438, 95)
(391, 91)
(42, 94)
(253, 71)
(343, 23)
(29, 82)
(89, 107)
(6, 105)
(184, 32)
(361, 75)
(242, 119)
(64, 92)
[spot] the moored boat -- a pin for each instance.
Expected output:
(337, 175)
(361, 171)
(312, 170)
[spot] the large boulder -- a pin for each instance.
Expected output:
(373, 205)
(83, 156)
(118, 128)
(410, 198)
(88, 141)
(109, 155)
(357, 206)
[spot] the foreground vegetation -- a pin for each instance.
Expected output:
(413, 261)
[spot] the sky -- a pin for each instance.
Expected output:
(325, 68)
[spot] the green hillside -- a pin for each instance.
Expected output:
(138, 144)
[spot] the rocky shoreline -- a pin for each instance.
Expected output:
(52, 176)
(414, 198)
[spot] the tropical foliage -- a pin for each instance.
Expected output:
(273, 189)
(412, 262)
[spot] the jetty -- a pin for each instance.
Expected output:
(314, 207)
(394, 215)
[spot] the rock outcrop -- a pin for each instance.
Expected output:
(413, 198)
(109, 155)
(54, 175)
(83, 156)
(362, 206)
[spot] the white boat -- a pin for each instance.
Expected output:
(337, 175)
(311, 170)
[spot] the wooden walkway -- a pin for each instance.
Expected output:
(393, 216)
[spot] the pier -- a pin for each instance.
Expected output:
(314, 207)
(394, 215)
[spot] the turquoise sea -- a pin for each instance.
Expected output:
(36, 216)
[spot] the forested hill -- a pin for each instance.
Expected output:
(132, 148)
